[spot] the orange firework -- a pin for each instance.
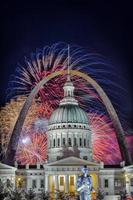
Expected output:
(31, 148)
(10, 112)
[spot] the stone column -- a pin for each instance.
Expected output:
(76, 178)
(72, 140)
(82, 140)
(111, 185)
(97, 181)
(56, 186)
(66, 183)
(56, 183)
(46, 182)
(56, 140)
(52, 141)
(61, 142)
(28, 183)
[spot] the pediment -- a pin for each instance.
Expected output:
(129, 168)
(73, 161)
(6, 167)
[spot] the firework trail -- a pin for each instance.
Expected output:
(47, 61)
(54, 58)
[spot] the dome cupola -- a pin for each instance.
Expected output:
(68, 110)
(69, 133)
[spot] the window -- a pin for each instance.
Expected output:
(41, 183)
(84, 142)
(106, 183)
(58, 142)
(75, 142)
(64, 141)
(69, 125)
(8, 183)
(20, 183)
(54, 142)
(85, 157)
(58, 157)
(33, 184)
(61, 181)
(69, 93)
(117, 183)
(71, 180)
(131, 181)
(69, 142)
(80, 142)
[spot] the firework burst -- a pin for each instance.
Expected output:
(104, 140)
(33, 137)
(53, 58)
(31, 148)
(43, 63)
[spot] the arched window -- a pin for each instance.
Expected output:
(54, 142)
(58, 142)
(69, 93)
(58, 157)
(69, 142)
(84, 142)
(64, 141)
(85, 157)
(75, 142)
(80, 142)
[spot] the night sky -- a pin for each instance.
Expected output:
(104, 27)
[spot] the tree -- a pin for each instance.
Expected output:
(2, 194)
(44, 196)
(100, 194)
(62, 196)
(30, 195)
(16, 195)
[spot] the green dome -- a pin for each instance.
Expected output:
(68, 114)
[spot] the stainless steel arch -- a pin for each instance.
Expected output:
(11, 151)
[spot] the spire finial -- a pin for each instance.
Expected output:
(68, 64)
(68, 86)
